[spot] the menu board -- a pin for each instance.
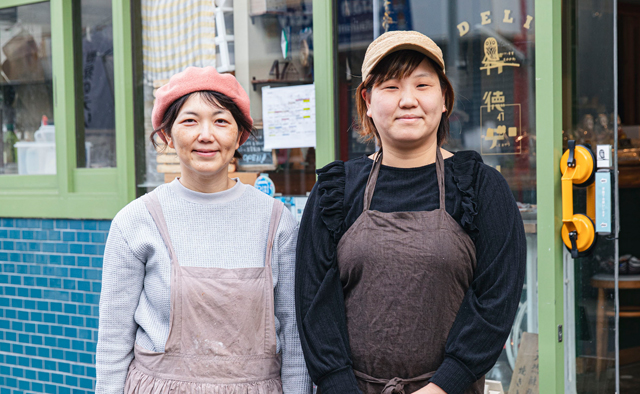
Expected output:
(254, 157)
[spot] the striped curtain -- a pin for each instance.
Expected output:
(176, 34)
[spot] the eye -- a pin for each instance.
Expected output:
(188, 121)
(222, 121)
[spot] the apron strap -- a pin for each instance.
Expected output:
(371, 181)
(270, 341)
(440, 175)
(276, 212)
(395, 385)
(155, 209)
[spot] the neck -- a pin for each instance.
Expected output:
(207, 184)
(409, 158)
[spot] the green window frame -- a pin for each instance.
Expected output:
(79, 193)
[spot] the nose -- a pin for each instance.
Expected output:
(206, 132)
(407, 98)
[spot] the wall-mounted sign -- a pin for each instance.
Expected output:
(603, 201)
(289, 117)
(526, 371)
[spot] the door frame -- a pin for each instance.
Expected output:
(548, 61)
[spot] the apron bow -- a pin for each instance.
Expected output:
(394, 386)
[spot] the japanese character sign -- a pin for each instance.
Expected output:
(501, 125)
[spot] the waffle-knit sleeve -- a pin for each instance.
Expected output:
(122, 281)
(295, 378)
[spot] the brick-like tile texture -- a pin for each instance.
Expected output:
(50, 281)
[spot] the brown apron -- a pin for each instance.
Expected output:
(222, 336)
(404, 276)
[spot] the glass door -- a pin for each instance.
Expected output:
(596, 350)
(489, 54)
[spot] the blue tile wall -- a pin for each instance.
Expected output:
(50, 281)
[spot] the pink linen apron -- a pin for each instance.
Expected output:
(222, 337)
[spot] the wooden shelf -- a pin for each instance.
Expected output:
(262, 82)
(292, 12)
(18, 82)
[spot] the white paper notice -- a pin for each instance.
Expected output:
(289, 117)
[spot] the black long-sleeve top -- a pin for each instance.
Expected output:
(477, 197)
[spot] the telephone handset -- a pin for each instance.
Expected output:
(578, 167)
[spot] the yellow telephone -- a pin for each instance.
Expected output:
(578, 167)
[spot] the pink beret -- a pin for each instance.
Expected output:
(194, 79)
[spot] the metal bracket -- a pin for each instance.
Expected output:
(560, 333)
(571, 160)
(573, 236)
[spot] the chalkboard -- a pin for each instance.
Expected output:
(254, 158)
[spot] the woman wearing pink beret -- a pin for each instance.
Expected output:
(198, 275)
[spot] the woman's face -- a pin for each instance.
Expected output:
(407, 111)
(205, 138)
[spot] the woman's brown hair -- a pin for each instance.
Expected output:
(400, 64)
(215, 99)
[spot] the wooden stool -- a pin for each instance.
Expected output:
(604, 282)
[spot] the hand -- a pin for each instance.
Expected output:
(431, 388)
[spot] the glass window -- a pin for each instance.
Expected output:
(268, 47)
(279, 53)
(488, 49)
(95, 131)
(175, 35)
(27, 146)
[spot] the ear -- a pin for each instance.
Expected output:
(168, 139)
(367, 99)
(444, 101)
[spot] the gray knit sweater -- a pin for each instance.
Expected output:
(225, 230)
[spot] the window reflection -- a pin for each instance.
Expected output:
(96, 136)
(27, 146)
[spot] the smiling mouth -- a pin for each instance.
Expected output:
(207, 153)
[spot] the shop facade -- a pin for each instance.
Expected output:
(77, 83)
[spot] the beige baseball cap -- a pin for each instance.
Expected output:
(398, 40)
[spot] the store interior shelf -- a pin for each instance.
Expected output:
(20, 82)
(280, 13)
(262, 82)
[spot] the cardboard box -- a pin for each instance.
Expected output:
(259, 7)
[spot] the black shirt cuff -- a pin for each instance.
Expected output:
(342, 381)
(453, 376)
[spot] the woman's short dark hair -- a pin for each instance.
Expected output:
(400, 64)
(215, 99)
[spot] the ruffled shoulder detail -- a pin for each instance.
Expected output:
(331, 184)
(465, 169)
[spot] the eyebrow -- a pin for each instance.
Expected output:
(217, 112)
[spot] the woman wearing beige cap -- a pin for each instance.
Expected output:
(410, 263)
(198, 275)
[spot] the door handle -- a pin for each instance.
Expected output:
(578, 168)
